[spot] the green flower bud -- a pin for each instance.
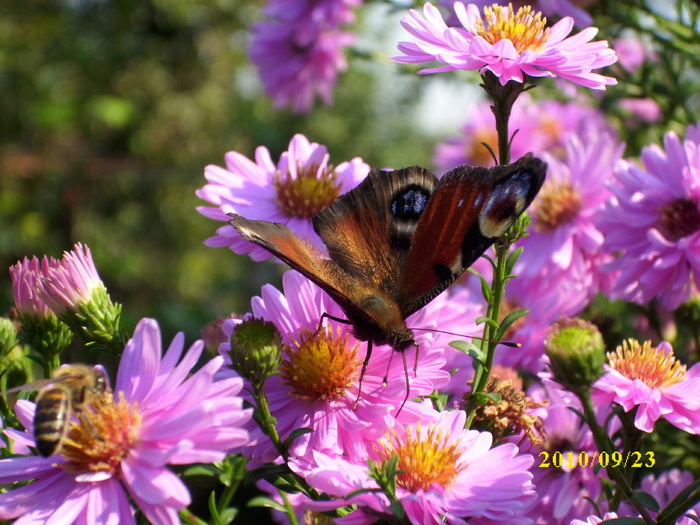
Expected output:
(577, 352)
(256, 350)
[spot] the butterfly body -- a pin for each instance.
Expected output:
(400, 238)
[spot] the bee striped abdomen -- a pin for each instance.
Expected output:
(51, 420)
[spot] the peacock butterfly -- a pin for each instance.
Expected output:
(400, 238)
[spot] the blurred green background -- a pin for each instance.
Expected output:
(111, 110)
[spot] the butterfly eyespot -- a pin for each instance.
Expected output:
(505, 203)
(410, 202)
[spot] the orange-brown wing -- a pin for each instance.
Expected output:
(303, 257)
(368, 231)
(468, 211)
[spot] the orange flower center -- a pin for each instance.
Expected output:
(320, 366)
(655, 367)
(424, 457)
(557, 204)
(524, 29)
(306, 194)
(102, 436)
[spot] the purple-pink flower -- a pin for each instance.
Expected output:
(509, 44)
(565, 242)
(71, 282)
(161, 413)
(318, 384)
(26, 277)
(541, 127)
(448, 473)
(653, 223)
(654, 383)
(290, 191)
(299, 50)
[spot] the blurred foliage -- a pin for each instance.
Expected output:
(111, 110)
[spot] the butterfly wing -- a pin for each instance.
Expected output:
(300, 255)
(468, 211)
(368, 231)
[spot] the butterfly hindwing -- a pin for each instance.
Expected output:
(470, 208)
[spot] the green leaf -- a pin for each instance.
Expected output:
(483, 398)
(509, 320)
(202, 470)
(646, 500)
(264, 501)
(485, 286)
(295, 434)
(471, 350)
(512, 259)
(488, 320)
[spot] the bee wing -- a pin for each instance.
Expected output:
(39, 384)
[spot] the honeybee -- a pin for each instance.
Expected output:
(71, 389)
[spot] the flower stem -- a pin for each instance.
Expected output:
(604, 444)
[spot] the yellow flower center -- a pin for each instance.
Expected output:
(306, 194)
(557, 204)
(320, 366)
(424, 459)
(478, 154)
(524, 29)
(655, 367)
(102, 436)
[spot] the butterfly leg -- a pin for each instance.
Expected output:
(362, 373)
(408, 382)
(324, 315)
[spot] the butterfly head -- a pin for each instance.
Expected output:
(386, 327)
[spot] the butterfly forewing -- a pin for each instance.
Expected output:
(369, 230)
(468, 211)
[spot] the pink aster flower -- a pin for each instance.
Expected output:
(565, 242)
(318, 383)
(159, 415)
(644, 109)
(651, 381)
(26, 276)
(509, 44)
(71, 282)
(291, 191)
(448, 473)
(653, 222)
(554, 8)
(300, 52)
(542, 127)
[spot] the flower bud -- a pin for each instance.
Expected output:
(77, 295)
(256, 349)
(577, 353)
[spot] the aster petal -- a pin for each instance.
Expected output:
(109, 505)
(139, 364)
(155, 486)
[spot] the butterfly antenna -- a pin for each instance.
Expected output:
(511, 344)
(362, 373)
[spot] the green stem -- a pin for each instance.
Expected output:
(503, 98)
(265, 420)
(230, 490)
(604, 444)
